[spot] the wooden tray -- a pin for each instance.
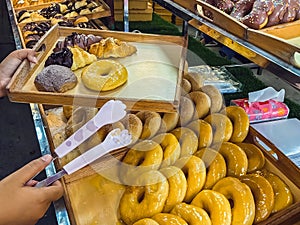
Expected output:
(95, 15)
(92, 198)
(154, 73)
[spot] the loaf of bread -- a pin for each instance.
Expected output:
(55, 78)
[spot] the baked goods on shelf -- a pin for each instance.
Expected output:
(216, 173)
(258, 14)
(55, 78)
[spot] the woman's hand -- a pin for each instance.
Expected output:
(20, 202)
(9, 65)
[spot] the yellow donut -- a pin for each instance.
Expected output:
(151, 123)
(146, 199)
(187, 139)
(215, 164)
(256, 158)
(134, 125)
(283, 196)
(104, 75)
(195, 172)
(170, 147)
(177, 186)
(215, 97)
(167, 219)
(168, 122)
(202, 104)
(236, 159)
(186, 111)
(204, 132)
(193, 215)
(143, 156)
(263, 195)
(146, 221)
(221, 125)
(243, 210)
(216, 204)
(240, 121)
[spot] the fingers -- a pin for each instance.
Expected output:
(55, 191)
(25, 53)
(31, 169)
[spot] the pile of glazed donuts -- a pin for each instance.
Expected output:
(190, 167)
(257, 14)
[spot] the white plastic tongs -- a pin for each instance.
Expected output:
(111, 112)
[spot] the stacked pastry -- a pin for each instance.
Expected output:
(257, 14)
(189, 166)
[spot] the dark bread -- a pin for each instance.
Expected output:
(55, 78)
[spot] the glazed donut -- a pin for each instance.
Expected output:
(177, 186)
(236, 159)
(195, 172)
(151, 123)
(193, 215)
(258, 16)
(186, 111)
(283, 196)
(256, 158)
(196, 80)
(204, 132)
(145, 199)
(233, 189)
(225, 5)
(215, 96)
(291, 11)
(186, 86)
(146, 221)
(170, 147)
(216, 205)
(104, 75)
(215, 166)
(167, 219)
(202, 104)
(168, 122)
(240, 122)
(221, 126)
(134, 125)
(143, 156)
(187, 139)
(263, 195)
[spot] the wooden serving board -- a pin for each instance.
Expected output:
(154, 73)
(92, 194)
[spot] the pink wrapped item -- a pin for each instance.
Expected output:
(263, 111)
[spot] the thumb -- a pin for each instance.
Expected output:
(31, 169)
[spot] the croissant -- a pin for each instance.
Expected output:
(112, 47)
(81, 58)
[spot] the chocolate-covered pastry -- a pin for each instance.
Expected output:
(63, 57)
(55, 78)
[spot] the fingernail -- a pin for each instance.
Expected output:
(34, 59)
(46, 158)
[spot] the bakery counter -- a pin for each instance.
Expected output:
(236, 37)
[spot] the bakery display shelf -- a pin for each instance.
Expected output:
(27, 3)
(154, 61)
(94, 15)
(90, 196)
(242, 40)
